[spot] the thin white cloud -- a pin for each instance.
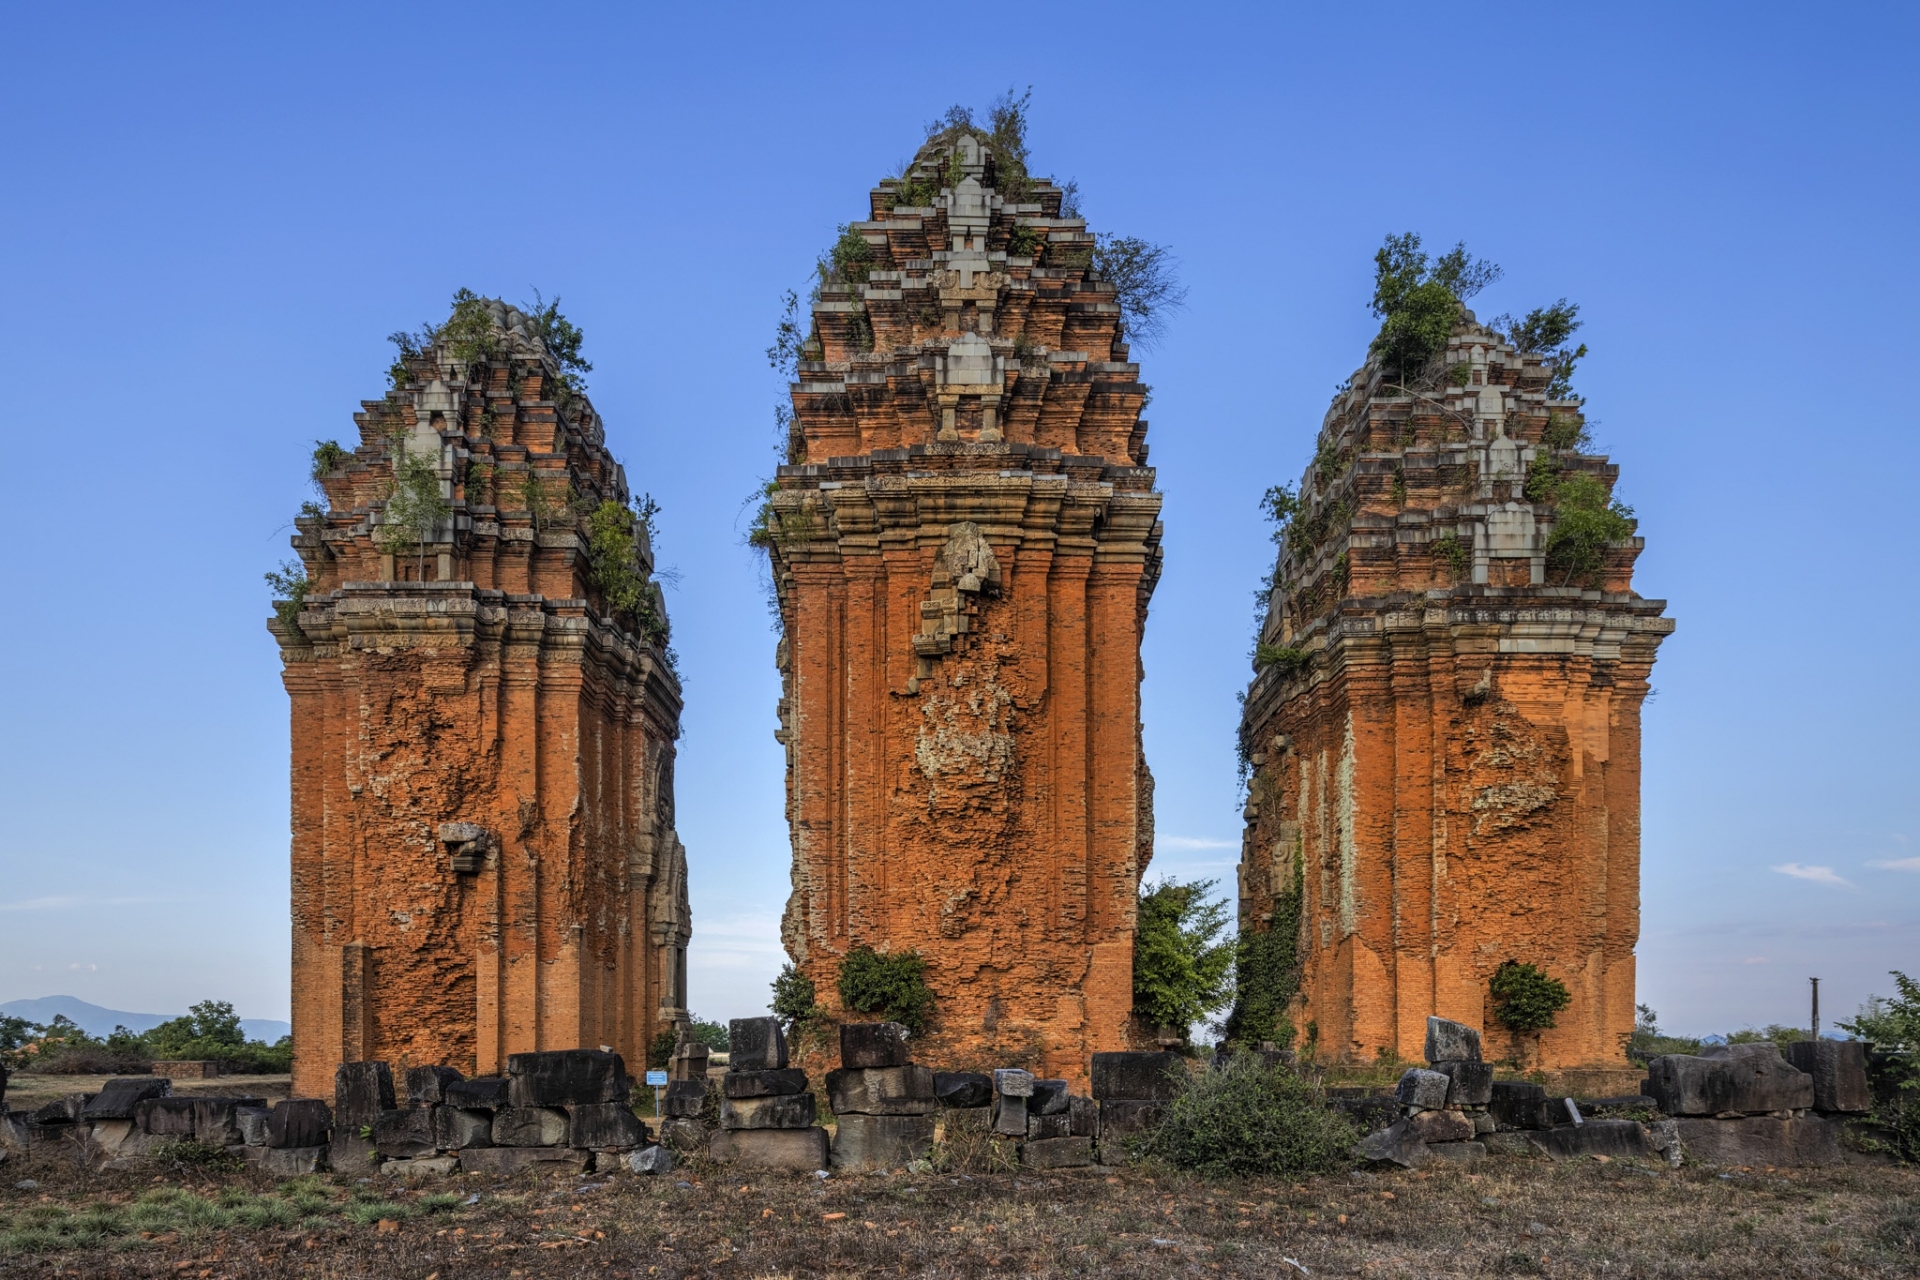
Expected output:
(1897, 864)
(1194, 842)
(1755, 960)
(66, 902)
(1819, 875)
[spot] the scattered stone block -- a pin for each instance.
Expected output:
(1615, 1139)
(422, 1167)
(165, 1117)
(117, 1098)
(962, 1088)
(108, 1136)
(606, 1126)
(881, 1141)
(216, 1121)
(764, 1084)
(1012, 1082)
(1763, 1140)
(1441, 1126)
(1043, 1127)
(689, 1062)
(656, 1159)
(684, 1098)
(349, 1153)
(288, 1162)
(1752, 1078)
(566, 1077)
(1049, 1097)
(1083, 1117)
(881, 1091)
(530, 1127)
(252, 1123)
(684, 1134)
(1399, 1143)
(1664, 1136)
(1518, 1104)
(1422, 1088)
(1449, 1041)
(13, 1131)
(873, 1044)
(361, 1091)
(1839, 1071)
(756, 1044)
(797, 1150)
(1010, 1115)
(1472, 1082)
(457, 1129)
(403, 1133)
(507, 1161)
(299, 1122)
(1057, 1153)
(784, 1111)
(428, 1085)
(1122, 1118)
(64, 1110)
(1154, 1077)
(483, 1093)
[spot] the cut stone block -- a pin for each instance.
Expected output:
(1083, 1115)
(652, 1160)
(117, 1098)
(530, 1127)
(165, 1117)
(1518, 1104)
(683, 1134)
(108, 1136)
(403, 1133)
(881, 1142)
(684, 1098)
(764, 1084)
(689, 1062)
(361, 1091)
(1012, 1082)
(457, 1129)
(1472, 1082)
(1422, 1088)
(873, 1044)
(421, 1167)
(1399, 1143)
(798, 1150)
(566, 1077)
(482, 1093)
(1449, 1041)
(1615, 1139)
(1010, 1115)
(507, 1161)
(1138, 1076)
(1057, 1153)
(1441, 1126)
(880, 1091)
(756, 1044)
(349, 1153)
(1763, 1140)
(785, 1111)
(252, 1123)
(299, 1122)
(288, 1162)
(1042, 1127)
(1049, 1097)
(1752, 1078)
(1839, 1071)
(962, 1088)
(1122, 1118)
(428, 1085)
(64, 1110)
(606, 1126)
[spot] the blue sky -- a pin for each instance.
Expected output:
(213, 215)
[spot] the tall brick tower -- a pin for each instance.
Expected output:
(964, 547)
(484, 713)
(1444, 734)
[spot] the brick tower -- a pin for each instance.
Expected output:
(964, 547)
(484, 713)
(1444, 734)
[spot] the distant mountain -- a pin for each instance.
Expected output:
(95, 1021)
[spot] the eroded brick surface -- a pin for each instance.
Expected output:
(484, 855)
(1446, 743)
(964, 547)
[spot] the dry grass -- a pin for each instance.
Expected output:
(1511, 1217)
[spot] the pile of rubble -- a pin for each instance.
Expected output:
(1730, 1104)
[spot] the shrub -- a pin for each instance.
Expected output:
(1587, 520)
(1893, 1023)
(327, 457)
(1545, 331)
(1525, 998)
(1291, 661)
(1566, 432)
(1247, 1119)
(290, 586)
(1267, 971)
(1648, 1041)
(613, 563)
(1145, 285)
(892, 988)
(1182, 971)
(563, 340)
(191, 1154)
(415, 507)
(1419, 304)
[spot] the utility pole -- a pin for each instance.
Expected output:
(1816, 1007)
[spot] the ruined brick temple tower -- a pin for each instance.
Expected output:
(1444, 736)
(483, 716)
(964, 546)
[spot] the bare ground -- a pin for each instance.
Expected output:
(1508, 1217)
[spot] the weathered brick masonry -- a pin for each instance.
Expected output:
(964, 549)
(1448, 740)
(484, 854)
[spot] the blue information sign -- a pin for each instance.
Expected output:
(656, 1079)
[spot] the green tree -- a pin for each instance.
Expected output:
(794, 999)
(1587, 521)
(1419, 303)
(1545, 331)
(415, 508)
(15, 1035)
(1894, 1023)
(1146, 285)
(1182, 970)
